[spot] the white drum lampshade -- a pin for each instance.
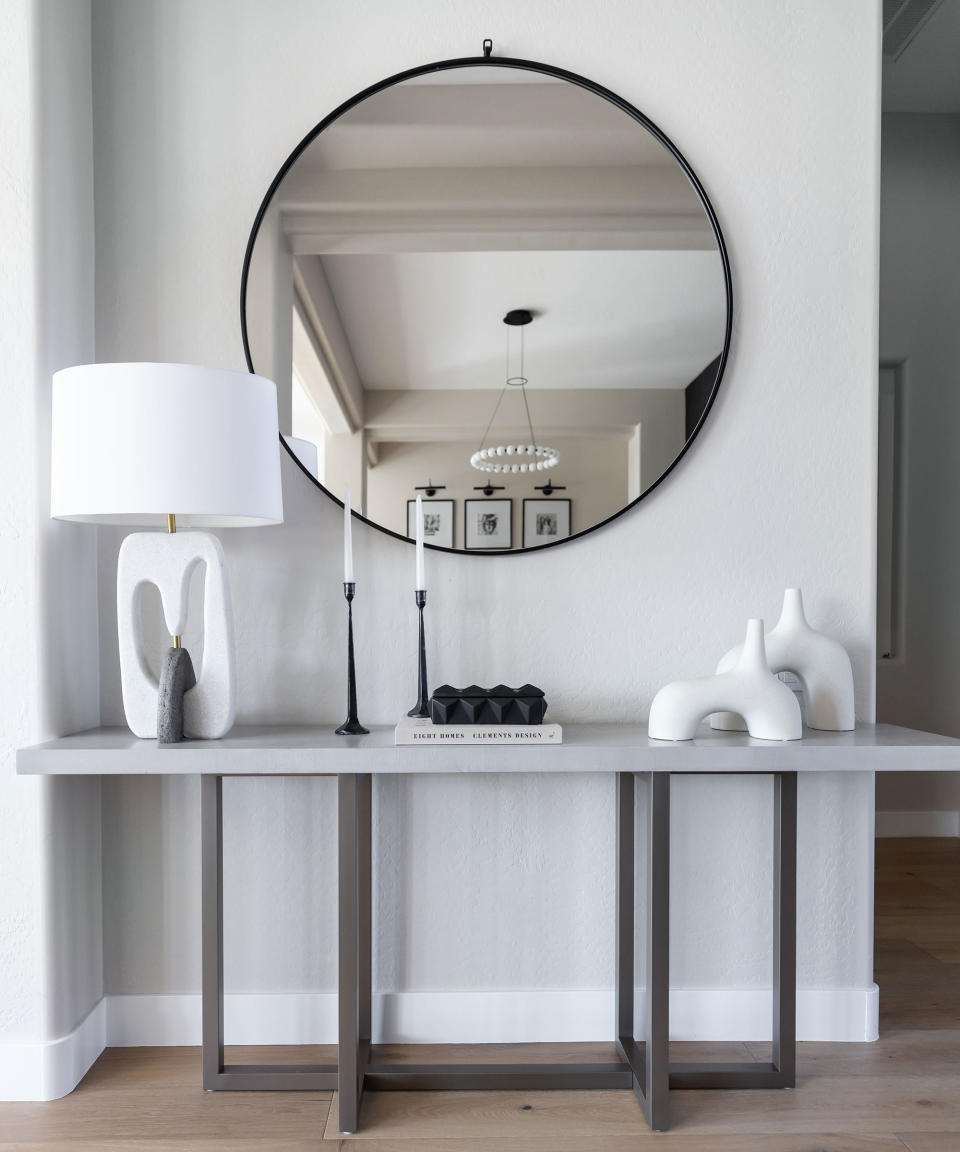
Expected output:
(173, 446)
(133, 442)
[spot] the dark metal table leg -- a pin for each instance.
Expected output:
(781, 1071)
(211, 903)
(626, 904)
(354, 950)
(649, 1064)
(349, 1026)
(657, 1087)
(785, 927)
(218, 1076)
(364, 919)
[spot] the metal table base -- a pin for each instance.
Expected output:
(217, 1076)
(644, 1063)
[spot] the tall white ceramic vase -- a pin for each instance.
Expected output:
(819, 662)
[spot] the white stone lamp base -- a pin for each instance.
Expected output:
(750, 689)
(819, 662)
(168, 561)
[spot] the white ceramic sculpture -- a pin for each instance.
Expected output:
(748, 688)
(169, 561)
(819, 662)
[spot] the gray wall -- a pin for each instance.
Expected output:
(919, 310)
(196, 106)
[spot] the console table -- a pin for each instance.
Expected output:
(623, 750)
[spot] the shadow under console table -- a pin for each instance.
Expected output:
(621, 750)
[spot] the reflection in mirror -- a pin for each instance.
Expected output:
(402, 237)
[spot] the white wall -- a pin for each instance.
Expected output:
(919, 306)
(50, 922)
(501, 884)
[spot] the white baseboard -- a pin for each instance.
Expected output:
(828, 1014)
(47, 1070)
(835, 1015)
(918, 824)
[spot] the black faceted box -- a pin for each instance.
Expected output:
(500, 705)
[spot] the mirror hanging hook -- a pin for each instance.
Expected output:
(487, 47)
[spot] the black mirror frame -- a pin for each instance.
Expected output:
(489, 61)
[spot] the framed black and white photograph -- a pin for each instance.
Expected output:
(437, 522)
(488, 524)
(545, 521)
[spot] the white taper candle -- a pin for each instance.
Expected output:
(347, 540)
(420, 585)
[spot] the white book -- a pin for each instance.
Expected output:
(414, 730)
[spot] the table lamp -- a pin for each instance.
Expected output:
(169, 446)
(306, 452)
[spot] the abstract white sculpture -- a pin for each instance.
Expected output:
(748, 688)
(209, 708)
(151, 444)
(819, 662)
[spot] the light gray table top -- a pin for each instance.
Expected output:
(277, 750)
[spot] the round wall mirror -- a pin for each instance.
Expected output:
(495, 285)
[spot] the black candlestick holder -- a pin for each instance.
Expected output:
(422, 706)
(351, 726)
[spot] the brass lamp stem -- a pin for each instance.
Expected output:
(171, 528)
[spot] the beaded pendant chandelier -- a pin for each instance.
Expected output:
(530, 457)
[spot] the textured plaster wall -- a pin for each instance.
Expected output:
(50, 924)
(501, 882)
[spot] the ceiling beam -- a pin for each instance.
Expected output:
(310, 370)
(505, 434)
(522, 234)
(645, 208)
(317, 309)
(422, 415)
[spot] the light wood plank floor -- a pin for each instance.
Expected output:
(900, 1094)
